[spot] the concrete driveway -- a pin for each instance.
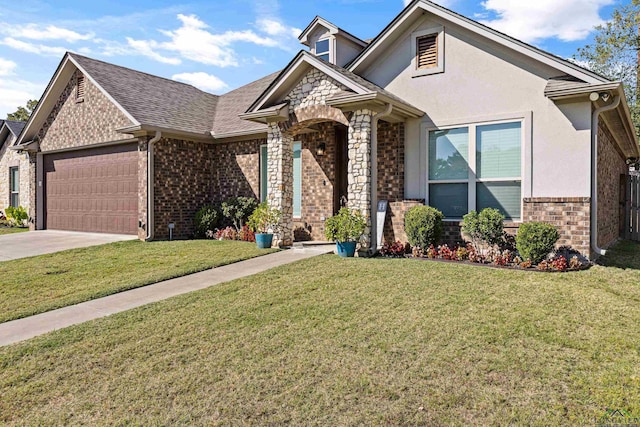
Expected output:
(22, 245)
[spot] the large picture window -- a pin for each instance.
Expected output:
(476, 167)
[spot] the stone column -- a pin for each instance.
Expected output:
(280, 181)
(33, 188)
(359, 179)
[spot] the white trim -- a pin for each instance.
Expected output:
(439, 68)
(330, 48)
(472, 124)
(475, 27)
(104, 92)
(333, 29)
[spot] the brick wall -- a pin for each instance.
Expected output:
(75, 124)
(570, 215)
(390, 161)
(184, 182)
(452, 232)
(611, 164)
(237, 169)
(8, 159)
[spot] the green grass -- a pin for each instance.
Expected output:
(34, 285)
(331, 341)
(12, 230)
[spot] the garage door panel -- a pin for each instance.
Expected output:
(93, 190)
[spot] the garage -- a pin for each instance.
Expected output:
(93, 190)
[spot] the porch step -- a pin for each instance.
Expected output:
(328, 246)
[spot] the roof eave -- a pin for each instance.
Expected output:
(577, 92)
(404, 109)
(256, 133)
(276, 113)
(141, 130)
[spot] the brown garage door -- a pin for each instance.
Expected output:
(92, 190)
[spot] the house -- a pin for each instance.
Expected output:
(436, 109)
(15, 184)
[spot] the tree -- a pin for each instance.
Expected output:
(22, 114)
(615, 53)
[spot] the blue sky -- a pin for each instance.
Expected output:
(220, 45)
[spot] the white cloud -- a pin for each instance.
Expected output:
(15, 93)
(146, 48)
(201, 80)
(532, 21)
(39, 49)
(50, 32)
(275, 28)
(7, 67)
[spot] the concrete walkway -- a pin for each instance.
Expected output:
(22, 245)
(29, 327)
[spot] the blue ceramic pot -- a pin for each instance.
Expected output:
(346, 249)
(264, 240)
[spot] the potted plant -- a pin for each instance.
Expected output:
(345, 228)
(264, 221)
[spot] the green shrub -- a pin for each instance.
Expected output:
(18, 216)
(346, 226)
(486, 226)
(423, 225)
(535, 240)
(264, 219)
(207, 219)
(236, 210)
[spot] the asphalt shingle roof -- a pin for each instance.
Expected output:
(236, 102)
(15, 127)
(153, 100)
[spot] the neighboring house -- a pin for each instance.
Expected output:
(437, 109)
(15, 185)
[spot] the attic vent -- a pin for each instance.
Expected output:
(427, 51)
(80, 86)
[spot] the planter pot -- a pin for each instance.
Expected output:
(264, 240)
(346, 249)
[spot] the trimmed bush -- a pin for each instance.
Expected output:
(487, 226)
(423, 225)
(207, 219)
(535, 240)
(18, 216)
(236, 210)
(346, 226)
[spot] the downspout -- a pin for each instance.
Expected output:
(150, 179)
(374, 178)
(594, 173)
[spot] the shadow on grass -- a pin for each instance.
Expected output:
(624, 254)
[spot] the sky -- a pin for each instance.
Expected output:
(221, 45)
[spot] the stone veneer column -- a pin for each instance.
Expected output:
(280, 181)
(359, 178)
(33, 188)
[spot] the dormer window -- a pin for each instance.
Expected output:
(322, 49)
(428, 51)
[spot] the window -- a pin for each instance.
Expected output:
(14, 187)
(297, 180)
(476, 167)
(80, 88)
(264, 179)
(322, 49)
(428, 51)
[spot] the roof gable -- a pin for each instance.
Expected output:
(319, 21)
(418, 7)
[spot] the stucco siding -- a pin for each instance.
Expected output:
(484, 82)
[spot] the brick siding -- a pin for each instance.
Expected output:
(75, 124)
(611, 164)
(237, 169)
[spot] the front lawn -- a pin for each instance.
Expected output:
(331, 341)
(12, 230)
(34, 285)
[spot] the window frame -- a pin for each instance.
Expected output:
(472, 179)
(293, 180)
(440, 47)
(264, 183)
(13, 193)
(328, 52)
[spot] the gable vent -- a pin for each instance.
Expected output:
(80, 87)
(427, 51)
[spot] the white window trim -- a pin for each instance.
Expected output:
(414, 51)
(331, 50)
(472, 180)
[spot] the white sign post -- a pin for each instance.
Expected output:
(382, 214)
